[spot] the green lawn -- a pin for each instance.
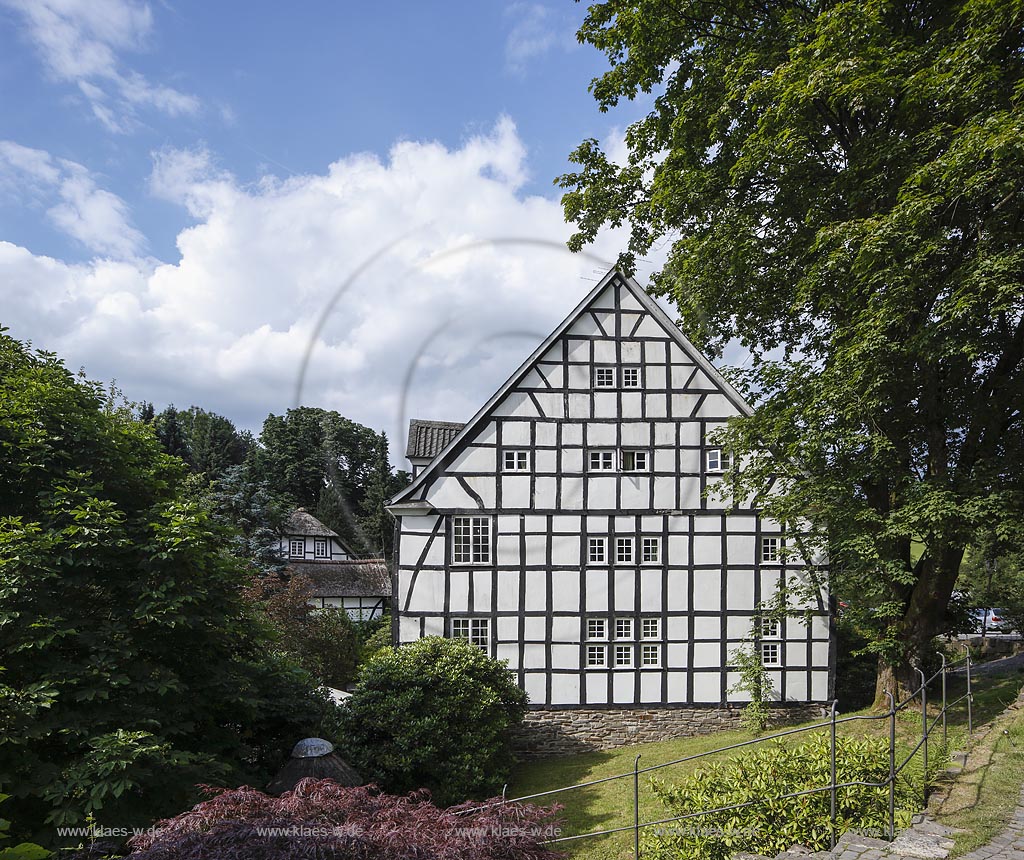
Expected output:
(610, 804)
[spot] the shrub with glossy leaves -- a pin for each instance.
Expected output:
(772, 822)
(322, 820)
(437, 714)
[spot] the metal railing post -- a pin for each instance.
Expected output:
(970, 704)
(832, 756)
(945, 740)
(924, 736)
(636, 807)
(892, 765)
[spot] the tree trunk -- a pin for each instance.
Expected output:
(922, 620)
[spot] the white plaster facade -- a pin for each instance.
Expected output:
(567, 529)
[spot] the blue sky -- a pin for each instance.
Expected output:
(184, 187)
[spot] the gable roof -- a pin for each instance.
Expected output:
(429, 438)
(368, 578)
(301, 522)
(613, 276)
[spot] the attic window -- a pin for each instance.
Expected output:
(631, 377)
(516, 461)
(297, 548)
(320, 548)
(718, 460)
(604, 377)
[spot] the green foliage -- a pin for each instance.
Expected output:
(333, 466)
(855, 668)
(208, 442)
(992, 576)
(842, 185)
(132, 667)
(756, 683)
(22, 851)
(378, 640)
(435, 713)
(771, 823)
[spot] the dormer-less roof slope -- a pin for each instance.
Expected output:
(427, 439)
(367, 578)
(405, 499)
(301, 522)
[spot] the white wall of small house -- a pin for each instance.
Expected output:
(540, 590)
(308, 548)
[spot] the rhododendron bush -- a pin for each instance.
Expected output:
(321, 820)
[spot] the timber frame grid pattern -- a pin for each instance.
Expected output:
(539, 588)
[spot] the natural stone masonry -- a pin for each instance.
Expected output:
(553, 732)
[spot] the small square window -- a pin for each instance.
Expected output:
(601, 461)
(597, 656)
(624, 655)
(516, 461)
(650, 655)
(596, 550)
(769, 549)
(651, 550)
(769, 627)
(770, 653)
(604, 377)
(634, 461)
(296, 548)
(474, 630)
(717, 460)
(597, 628)
(320, 548)
(624, 550)
(650, 628)
(631, 377)
(623, 628)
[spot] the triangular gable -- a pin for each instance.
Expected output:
(593, 311)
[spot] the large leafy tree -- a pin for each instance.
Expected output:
(131, 667)
(332, 466)
(208, 442)
(839, 185)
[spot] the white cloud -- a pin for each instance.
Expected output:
(381, 252)
(97, 218)
(79, 42)
(536, 30)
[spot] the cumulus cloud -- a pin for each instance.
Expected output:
(97, 218)
(79, 42)
(431, 265)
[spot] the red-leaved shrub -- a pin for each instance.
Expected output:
(321, 820)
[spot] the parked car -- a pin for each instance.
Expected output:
(991, 621)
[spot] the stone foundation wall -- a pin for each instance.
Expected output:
(553, 732)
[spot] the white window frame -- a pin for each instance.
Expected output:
(605, 461)
(631, 377)
(297, 542)
(515, 460)
(635, 460)
(650, 629)
(476, 631)
(716, 460)
(650, 655)
(597, 656)
(623, 628)
(600, 544)
(771, 653)
(650, 550)
(770, 628)
(597, 629)
(471, 540)
(623, 656)
(604, 377)
(622, 543)
(770, 548)
(321, 544)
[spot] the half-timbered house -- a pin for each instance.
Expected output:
(567, 528)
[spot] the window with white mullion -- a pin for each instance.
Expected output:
(650, 628)
(631, 377)
(297, 548)
(771, 653)
(516, 460)
(624, 550)
(650, 550)
(471, 540)
(770, 550)
(717, 460)
(597, 628)
(650, 655)
(601, 461)
(597, 550)
(634, 461)
(604, 377)
(623, 628)
(476, 631)
(597, 656)
(624, 656)
(769, 627)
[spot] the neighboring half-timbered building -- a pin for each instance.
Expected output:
(567, 529)
(338, 577)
